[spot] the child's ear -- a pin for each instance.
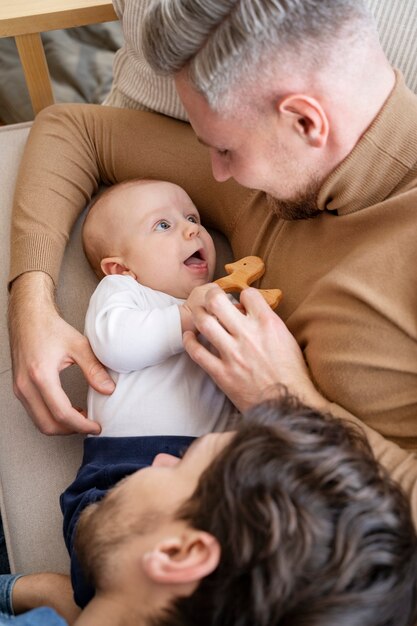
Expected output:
(114, 265)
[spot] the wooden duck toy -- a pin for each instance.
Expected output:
(244, 272)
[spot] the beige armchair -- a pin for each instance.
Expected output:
(38, 468)
(34, 469)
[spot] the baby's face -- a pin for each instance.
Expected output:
(166, 248)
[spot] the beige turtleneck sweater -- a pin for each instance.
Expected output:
(349, 276)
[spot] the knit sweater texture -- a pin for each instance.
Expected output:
(348, 276)
(135, 85)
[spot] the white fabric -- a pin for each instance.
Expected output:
(136, 332)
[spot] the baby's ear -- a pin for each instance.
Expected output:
(115, 265)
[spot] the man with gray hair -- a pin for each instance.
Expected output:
(297, 103)
(283, 73)
(280, 94)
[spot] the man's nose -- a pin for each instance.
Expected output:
(219, 167)
(165, 460)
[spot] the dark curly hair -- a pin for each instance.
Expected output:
(312, 530)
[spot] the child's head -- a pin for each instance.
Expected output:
(150, 230)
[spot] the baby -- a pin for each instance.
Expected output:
(146, 239)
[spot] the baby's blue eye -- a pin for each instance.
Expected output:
(193, 219)
(163, 225)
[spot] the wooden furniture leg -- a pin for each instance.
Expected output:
(26, 19)
(32, 57)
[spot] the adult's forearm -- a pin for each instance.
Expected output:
(31, 299)
(46, 589)
(256, 356)
(71, 148)
(400, 464)
(31, 294)
(57, 176)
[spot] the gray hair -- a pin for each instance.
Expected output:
(228, 43)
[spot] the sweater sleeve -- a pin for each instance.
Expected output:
(125, 332)
(400, 464)
(72, 148)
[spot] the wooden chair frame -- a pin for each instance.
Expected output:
(25, 20)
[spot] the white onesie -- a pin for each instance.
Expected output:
(136, 333)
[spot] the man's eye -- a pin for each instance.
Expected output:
(163, 225)
(193, 219)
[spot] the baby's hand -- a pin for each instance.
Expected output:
(195, 300)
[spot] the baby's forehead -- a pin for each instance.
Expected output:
(155, 197)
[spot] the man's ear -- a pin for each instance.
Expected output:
(115, 265)
(307, 118)
(183, 559)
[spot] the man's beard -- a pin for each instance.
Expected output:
(105, 526)
(301, 207)
(92, 544)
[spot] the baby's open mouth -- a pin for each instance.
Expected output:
(197, 258)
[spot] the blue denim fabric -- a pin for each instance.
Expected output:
(7, 582)
(37, 617)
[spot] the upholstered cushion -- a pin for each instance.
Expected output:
(34, 469)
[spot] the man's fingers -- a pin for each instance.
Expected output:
(97, 376)
(39, 412)
(43, 344)
(215, 330)
(254, 303)
(57, 402)
(201, 355)
(49, 407)
(225, 311)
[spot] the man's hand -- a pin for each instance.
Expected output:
(195, 300)
(42, 345)
(255, 352)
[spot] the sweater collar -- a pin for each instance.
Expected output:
(380, 159)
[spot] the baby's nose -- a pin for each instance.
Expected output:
(191, 229)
